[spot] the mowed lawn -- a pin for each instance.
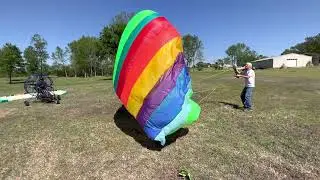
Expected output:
(89, 135)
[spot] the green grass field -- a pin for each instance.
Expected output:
(89, 135)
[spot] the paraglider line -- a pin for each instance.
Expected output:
(207, 95)
(202, 91)
(213, 76)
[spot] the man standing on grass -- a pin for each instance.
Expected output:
(249, 79)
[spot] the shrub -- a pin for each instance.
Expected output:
(309, 64)
(283, 66)
(199, 68)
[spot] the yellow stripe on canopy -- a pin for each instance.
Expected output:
(157, 66)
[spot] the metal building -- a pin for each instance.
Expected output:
(288, 60)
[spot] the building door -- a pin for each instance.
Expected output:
(292, 62)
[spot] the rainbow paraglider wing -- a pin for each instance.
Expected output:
(151, 78)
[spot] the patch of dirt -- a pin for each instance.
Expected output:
(43, 159)
(73, 111)
(278, 97)
(281, 168)
(4, 113)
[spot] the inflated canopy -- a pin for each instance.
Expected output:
(151, 78)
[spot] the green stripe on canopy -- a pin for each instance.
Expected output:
(128, 44)
(132, 24)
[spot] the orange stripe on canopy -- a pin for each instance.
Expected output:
(153, 36)
(158, 65)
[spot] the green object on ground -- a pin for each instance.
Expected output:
(3, 100)
(184, 173)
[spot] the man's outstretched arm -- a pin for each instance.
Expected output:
(244, 76)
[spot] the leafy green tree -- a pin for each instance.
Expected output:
(240, 53)
(201, 65)
(220, 62)
(261, 56)
(40, 46)
(216, 66)
(84, 55)
(30, 57)
(193, 49)
(1, 68)
(227, 60)
(311, 46)
(36, 54)
(10, 59)
(55, 56)
(59, 58)
(110, 37)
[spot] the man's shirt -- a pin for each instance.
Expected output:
(250, 82)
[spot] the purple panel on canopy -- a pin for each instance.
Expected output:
(163, 87)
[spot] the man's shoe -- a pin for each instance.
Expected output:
(247, 110)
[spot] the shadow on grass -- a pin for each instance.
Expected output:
(106, 79)
(126, 122)
(235, 106)
(16, 81)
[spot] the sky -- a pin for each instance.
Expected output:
(266, 26)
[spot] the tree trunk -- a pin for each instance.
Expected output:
(193, 66)
(91, 67)
(102, 71)
(95, 69)
(10, 74)
(65, 71)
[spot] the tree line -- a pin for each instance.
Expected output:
(240, 53)
(310, 46)
(94, 56)
(85, 57)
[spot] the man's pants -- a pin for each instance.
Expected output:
(246, 97)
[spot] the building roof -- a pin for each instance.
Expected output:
(269, 58)
(264, 59)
